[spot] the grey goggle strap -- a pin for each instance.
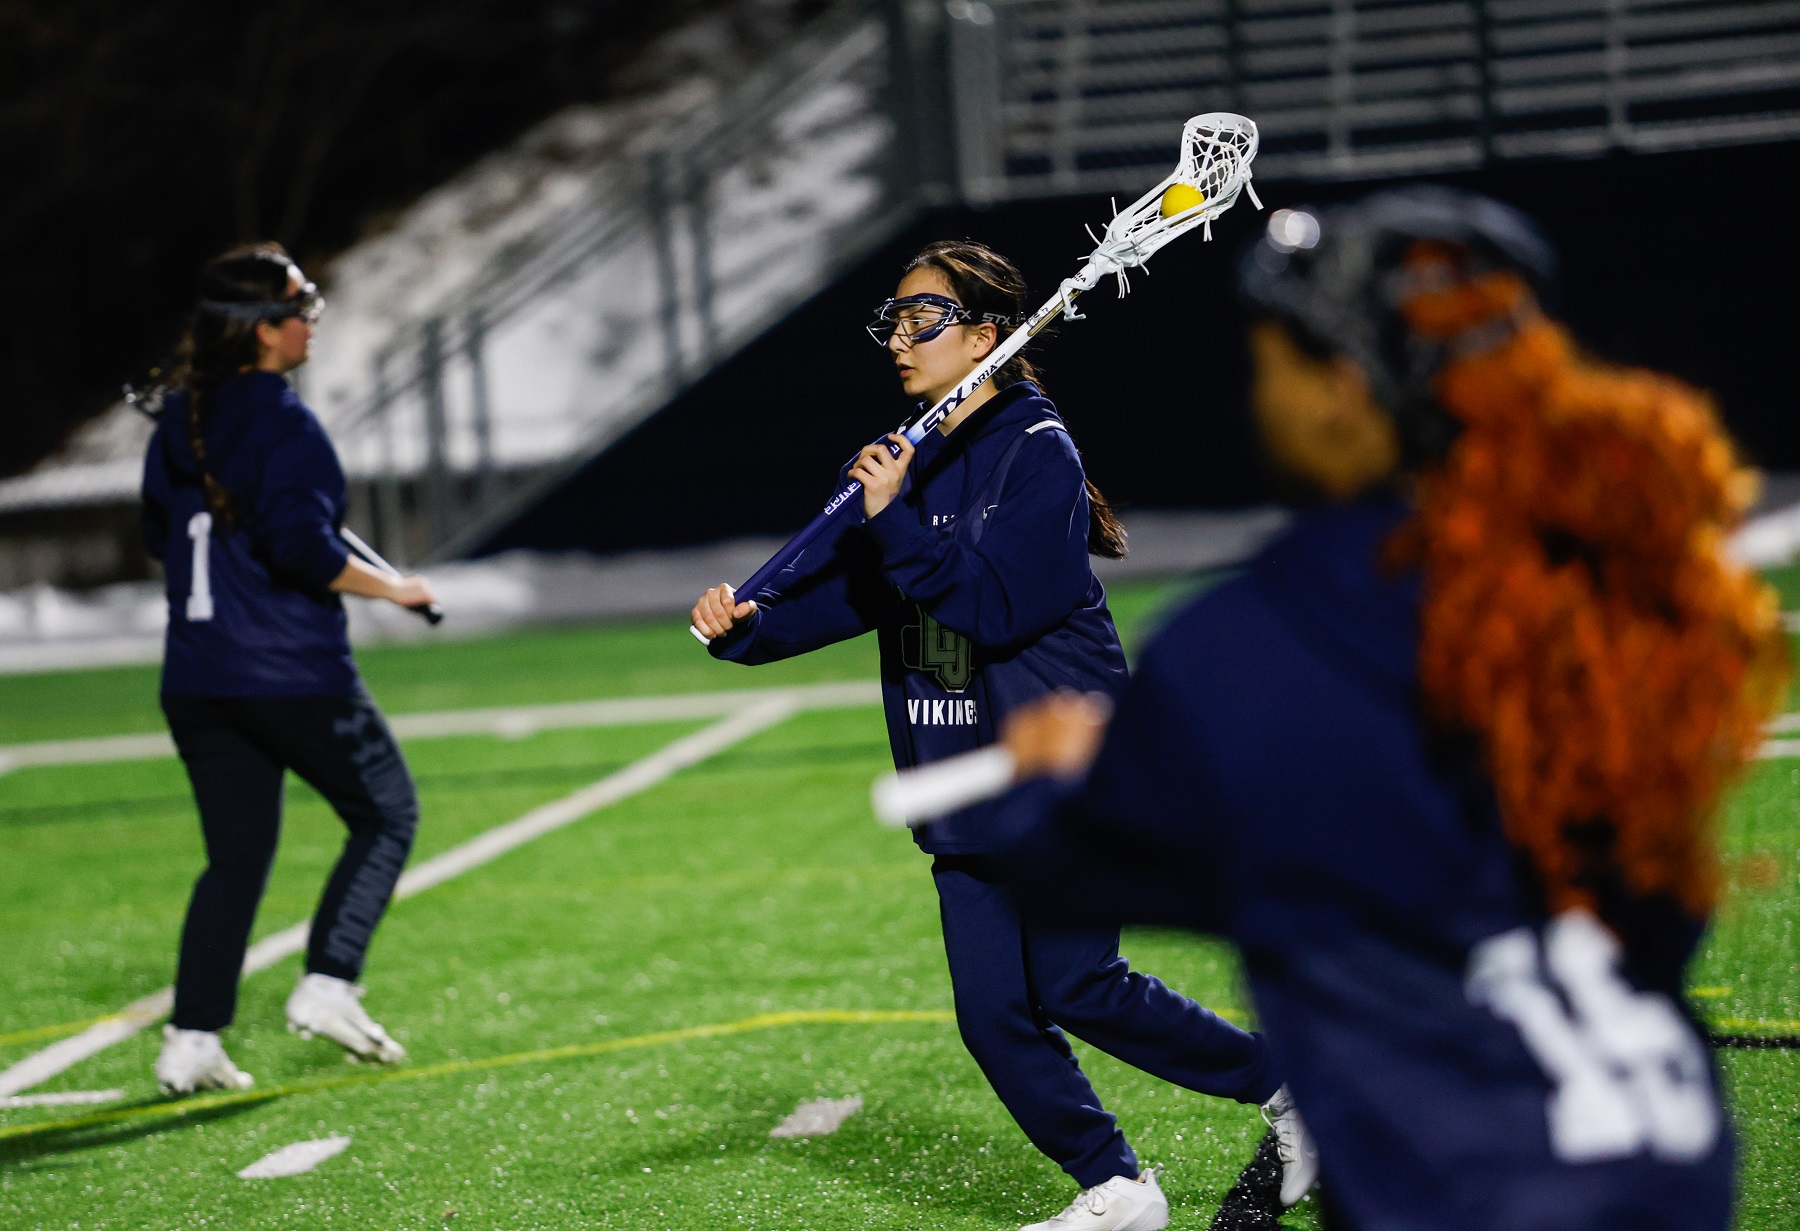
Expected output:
(305, 303)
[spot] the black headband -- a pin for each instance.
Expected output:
(300, 303)
(257, 310)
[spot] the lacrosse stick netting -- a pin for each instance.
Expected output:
(1216, 152)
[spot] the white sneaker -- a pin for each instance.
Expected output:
(322, 1004)
(1299, 1156)
(1120, 1204)
(195, 1060)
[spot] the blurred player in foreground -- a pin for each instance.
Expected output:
(973, 565)
(1443, 762)
(243, 499)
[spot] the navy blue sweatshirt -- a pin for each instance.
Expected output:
(1267, 777)
(976, 579)
(250, 612)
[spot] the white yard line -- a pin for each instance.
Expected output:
(519, 721)
(83, 751)
(819, 1118)
(1784, 724)
(512, 721)
(41, 1066)
(766, 708)
(64, 1098)
(638, 776)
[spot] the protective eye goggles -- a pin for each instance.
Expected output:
(306, 304)
(920, 318)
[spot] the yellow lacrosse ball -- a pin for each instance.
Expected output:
(1180, 198)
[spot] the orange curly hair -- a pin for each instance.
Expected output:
(1580, 616)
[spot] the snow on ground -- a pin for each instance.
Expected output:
(591, 356)
(44, 629)
(794, 167)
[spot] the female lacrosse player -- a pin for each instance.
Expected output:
(1442, 760)
(243, 498)
(972, 565)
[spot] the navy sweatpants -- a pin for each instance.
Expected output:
(1017, 980)
(236, 750)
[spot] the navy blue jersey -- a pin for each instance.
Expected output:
(250, 612)
(1463, 1061)
(977, 581)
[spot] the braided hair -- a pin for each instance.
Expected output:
(217, 346)
(1579, 618)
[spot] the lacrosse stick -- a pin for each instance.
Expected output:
(431, 613)
(914, 796)
(1216, 152)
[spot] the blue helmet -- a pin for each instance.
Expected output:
(1333, 275)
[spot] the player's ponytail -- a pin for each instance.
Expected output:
(986, 283)
(1580, 615)
(1106, 537)
(217, 347)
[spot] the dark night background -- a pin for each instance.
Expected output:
(138, 140)
(1680, 261)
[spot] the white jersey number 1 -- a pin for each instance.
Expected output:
(1629, 1073)
(200, 602)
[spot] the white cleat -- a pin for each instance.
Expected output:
(195, 1060)
(1299, 1156)
(1120, 1204)
(322, 1004)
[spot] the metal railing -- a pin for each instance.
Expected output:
(1076, 95)
(675, 255)
(714, 227)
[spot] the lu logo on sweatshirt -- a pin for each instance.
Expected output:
(931, 649)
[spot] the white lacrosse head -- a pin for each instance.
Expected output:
(1216, 152)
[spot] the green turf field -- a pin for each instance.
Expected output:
(606, 1023)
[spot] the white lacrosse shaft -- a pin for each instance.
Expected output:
(431, 613)
(914, 796)
(1216, 152)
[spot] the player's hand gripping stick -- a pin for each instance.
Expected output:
(1216, 151)
(431, 613)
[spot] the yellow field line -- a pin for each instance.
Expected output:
(50, 1032)
(762, 1021)
(1754, 1023)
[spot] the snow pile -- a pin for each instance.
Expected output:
(46, 629)
(594, 307)
(667, 267)
(435, 254)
